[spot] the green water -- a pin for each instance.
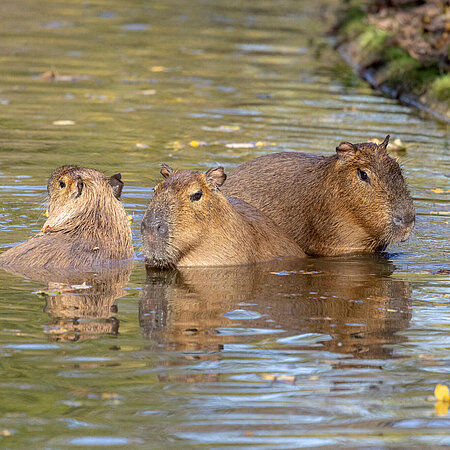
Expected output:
(324, 353)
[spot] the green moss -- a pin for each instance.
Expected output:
(440, 89)
(406, 72)
(352, 22)
(373, 40)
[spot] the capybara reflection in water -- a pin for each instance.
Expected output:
(190, 223)
(355, 201)
(86, 226)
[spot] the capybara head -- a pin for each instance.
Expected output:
(84, 203)
(184, 207)
(75, 191)
(371, 187)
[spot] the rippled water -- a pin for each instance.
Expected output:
(326, 352)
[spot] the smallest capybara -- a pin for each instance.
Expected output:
(189, 222)
(87, 225)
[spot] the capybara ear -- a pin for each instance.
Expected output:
(80, 186)
(116, 183)
(384, 144)
(345, 149)
(166, 170)
(216, 176)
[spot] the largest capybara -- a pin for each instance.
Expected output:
(87, 225)
(190, 223)
(355, 201)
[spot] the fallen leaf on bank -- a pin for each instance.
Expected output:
(130, 218)
(46, 213)
(63, 122)
(441, 393)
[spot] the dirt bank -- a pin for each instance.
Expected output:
(401, 47)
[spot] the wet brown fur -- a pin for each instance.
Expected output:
(320, 201)
(213, 231)
(87, 225)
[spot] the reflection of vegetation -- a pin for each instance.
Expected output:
(398, 47)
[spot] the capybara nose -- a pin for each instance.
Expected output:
(404, 221)
(154, 224)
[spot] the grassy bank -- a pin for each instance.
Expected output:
(401, 47)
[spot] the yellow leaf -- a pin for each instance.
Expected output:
(286, 378)
(441, 393)
(441, 408)
(46, 213)
(268, 377)
(130, 219)
(438, 190)
(313, 377)
(158, 69)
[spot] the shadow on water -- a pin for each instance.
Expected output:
(81, 305)
(353, 304)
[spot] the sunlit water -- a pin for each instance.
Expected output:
(324, 352)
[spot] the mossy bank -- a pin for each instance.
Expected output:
(401, 47)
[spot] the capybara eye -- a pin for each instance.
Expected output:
(196, 196)
(62, 185)
(363, 176)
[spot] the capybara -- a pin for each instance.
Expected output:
(86, 226)
(355, 201)
(190, 223)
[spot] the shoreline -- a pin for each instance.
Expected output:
(372, 44)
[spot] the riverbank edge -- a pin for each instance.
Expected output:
(354, 53)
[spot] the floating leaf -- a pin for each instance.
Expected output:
(141, 146)
(440, 191)
(63, 122)
(197, 143)
(148, 92)
(50, 293)
(441, 408)
(441, 393)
